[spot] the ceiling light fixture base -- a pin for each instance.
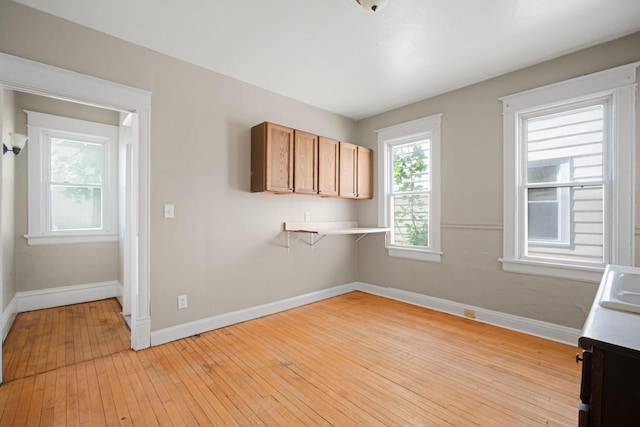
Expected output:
(372, 5)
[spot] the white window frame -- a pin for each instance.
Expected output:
(41, 128)
(425, 128)
(618, 84)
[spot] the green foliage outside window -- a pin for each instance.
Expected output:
(410, 175)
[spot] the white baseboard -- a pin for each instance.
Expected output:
(66, 295)
(203, 325)
(54, 297)
(537, 328)
(141, 330)
(8, 316)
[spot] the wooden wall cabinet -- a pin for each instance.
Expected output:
(286, 160)
(328, 167)
(365, 173)
(272, 158)
(356, 171)
(305, 163)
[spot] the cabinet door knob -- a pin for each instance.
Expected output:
(579, 358)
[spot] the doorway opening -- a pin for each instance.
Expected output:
(133, 107)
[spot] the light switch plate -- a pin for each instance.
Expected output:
(169, 211)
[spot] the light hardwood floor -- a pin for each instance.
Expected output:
(356, 359)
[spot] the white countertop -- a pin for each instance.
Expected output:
(610, 326)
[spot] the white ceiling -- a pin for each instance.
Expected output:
(335, 55)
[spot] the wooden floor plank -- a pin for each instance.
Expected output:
(42, 340)
(356, 359)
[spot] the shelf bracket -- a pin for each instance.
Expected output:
(362, 236)
(289, 240)
(313, 240)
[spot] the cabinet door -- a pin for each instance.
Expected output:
(365, 173)
(279, 158)
(328, 161)
(348, 170)
(305, 154)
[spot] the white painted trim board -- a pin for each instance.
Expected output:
(66, 295)
(8, 316)
(188, 329)
(537, 328)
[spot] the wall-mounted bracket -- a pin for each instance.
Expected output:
(319, 230)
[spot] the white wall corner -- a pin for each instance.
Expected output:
(8, 316)
(66, 295)
(120, 295)
(538, 328)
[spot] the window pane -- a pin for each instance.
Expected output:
(573, 138)
(543, 194)
(547, 173)
(543, 221)
(75, 208)
(75, 162)
(410, 220)
(411, 167)
(570, 229)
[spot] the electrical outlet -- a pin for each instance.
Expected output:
(469, 313)
(307, 216)
(182, 302)
(169, 211)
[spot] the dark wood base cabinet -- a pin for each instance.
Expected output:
(610, 389)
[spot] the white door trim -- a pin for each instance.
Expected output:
(33, 77)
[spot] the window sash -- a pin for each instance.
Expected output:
(392, 219)
(48, 196)
(391, 194)
(524, 251)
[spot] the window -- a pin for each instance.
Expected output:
(568, 190)
(72, 180)
(409, 167)
(547, 207)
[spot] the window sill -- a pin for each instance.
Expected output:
(549, 269)
(415, 254)
(70, 239)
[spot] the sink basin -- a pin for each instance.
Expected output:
(622, 290)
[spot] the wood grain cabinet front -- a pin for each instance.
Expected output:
(287, 160)
(272, 158)
(610, 387)
(365, 173)
(305, 163)
(328, 167)
(356, 177)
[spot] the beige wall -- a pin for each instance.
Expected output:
(471, 144)
(7, 224)
(50, 266)
(224, 249)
